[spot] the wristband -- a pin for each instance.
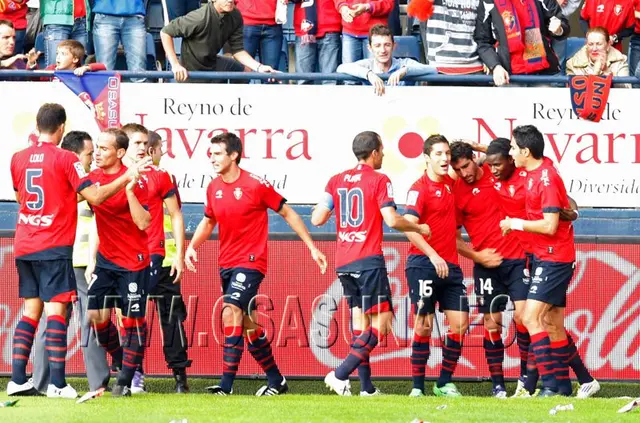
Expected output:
(517, 225)
(258, 68)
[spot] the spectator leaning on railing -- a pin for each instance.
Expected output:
(118, 21)
(522, 29)
(8, 58)
(358, 16)
(318, 25)
(64, 20)
(381, 46)
(598, 58)
(204, 32)
(261, 33)
(15, 11)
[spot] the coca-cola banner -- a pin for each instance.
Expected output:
(291, 132)
(308, 322)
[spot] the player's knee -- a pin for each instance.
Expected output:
(459, 327)
(491, 323)
(531, 320)
(232, 315)
(95, 317)
(421, 326)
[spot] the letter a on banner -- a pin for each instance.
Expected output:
(100, 92)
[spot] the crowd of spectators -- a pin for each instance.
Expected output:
(496, 37)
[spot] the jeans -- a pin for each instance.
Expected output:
(353, 48)
(54, 34)
(265, 39)
(20, 36)
(560, 48)
(109, 31)
(177, 8)
(634, 55)
(323, 56)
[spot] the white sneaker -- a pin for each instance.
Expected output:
(67, 392)
(631, 406)
(372, 394)
(91, 395)
(415, 392)
(340, 387)
(588, 389)
(137, 384)
(26, 389)
(520, 390)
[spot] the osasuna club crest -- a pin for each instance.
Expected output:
(512, 190)
(237, 193)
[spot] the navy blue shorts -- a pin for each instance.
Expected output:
(240, 287)
(550, 281)
(368, 290)
(529, 267)
(156, 274)
(426, 289)
(494, 286)
(49, 280)
(123, 289)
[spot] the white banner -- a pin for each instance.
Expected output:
(298, 136)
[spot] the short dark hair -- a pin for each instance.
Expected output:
(433, 140)
(499, 146)
(50, 117)
(122, 139)
(461, 150)
(6, 23)
(381, 30)
(366, 143)
(528, 136)
(232, 143)
(75, 48)
(155, 140)
(74, 141)
(134, 128)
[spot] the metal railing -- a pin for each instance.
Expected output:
(244, 76)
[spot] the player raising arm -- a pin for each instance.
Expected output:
(238, 201)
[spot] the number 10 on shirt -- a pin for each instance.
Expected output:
(351, 207)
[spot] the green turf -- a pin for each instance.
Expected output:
(300, 406)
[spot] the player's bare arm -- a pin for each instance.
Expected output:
(322, 211)
(548, 225)
(442, 269)
(488, 257)
(294, 220)
(203, 232)
(177, 226)
(97, 195)
(395, 221)
(570, 214)
(140, 216)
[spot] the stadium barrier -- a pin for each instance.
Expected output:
(308, 322)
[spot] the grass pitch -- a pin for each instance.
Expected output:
(302, 406)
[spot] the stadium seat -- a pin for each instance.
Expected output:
(155, 18)
(573, 45)
(39, 46)
(407, 46)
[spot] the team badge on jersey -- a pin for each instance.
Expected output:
(237, 193)
(475, 191)
(512, 190)
(618, 9)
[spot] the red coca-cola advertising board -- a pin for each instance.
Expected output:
(308, 322)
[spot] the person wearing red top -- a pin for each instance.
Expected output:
(499, 270)
(617, 16)
(238, 202)
(318, 26)
(121, 274)
(358, 16)
(161, 192)
(432, 269)
(46, 180)
(15, 11)
(363, 199)
(262, 35)
(554, 257)
(64, 20)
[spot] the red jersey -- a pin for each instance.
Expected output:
(160, 186)
(47, 179)
(636, 29)
(121, 242)
(512, 194)
(328, 19)
(480, 214)
(546, 193)
(15, 12)
(358, 195)
(258, 12)
(240, 209)
(614, 15)
(379, 14)
(433, 203)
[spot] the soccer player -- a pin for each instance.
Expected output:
(46, 180)
(95, 360)
(238, 201)
(121, 273)
(173, 311)
(511, 186)
(554, 253)
(432, 269)
(363, 198)
(499, 270)
(161, 192)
